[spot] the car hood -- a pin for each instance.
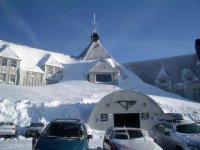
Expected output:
(190, 138)
(61, 144)
(136, 144)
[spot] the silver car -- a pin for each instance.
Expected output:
(177, 134)
(7, 129)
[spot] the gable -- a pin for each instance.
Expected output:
(94, 51)
(5, 51)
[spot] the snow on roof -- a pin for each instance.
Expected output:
(52, 62)
(34, 69)
(7, 52)
(103, 66)
(149, 70)
(31, 57)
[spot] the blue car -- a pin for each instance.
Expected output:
(62, 134)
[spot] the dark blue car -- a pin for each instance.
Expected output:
(62, 134)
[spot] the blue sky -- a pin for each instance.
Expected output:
(130, 30)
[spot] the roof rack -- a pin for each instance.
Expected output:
(171, 117)
(67, 119)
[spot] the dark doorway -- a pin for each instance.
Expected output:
(127, 120)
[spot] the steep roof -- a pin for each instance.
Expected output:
(149, 70)
(94, 51)
(103, 66)
(51, 61)
(5, 51)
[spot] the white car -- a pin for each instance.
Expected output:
(7, 129)
(122, 138)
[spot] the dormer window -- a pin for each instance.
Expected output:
(4, 62)
(2, 77)
(103, 78)
(50, 70)
(164, 80)
(13, 63)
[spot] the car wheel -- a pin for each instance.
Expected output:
(178, 148)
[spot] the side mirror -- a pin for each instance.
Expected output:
(89, 137)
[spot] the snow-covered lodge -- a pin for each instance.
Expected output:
(178, 74)
(22, 65)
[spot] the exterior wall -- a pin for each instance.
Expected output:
(92, 78)
(190, 90)
(29, 78)
(11, 72)
(53, 74)
(109, 105)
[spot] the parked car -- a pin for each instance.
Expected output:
(175, 133)
(34, 130)
(7, 129)
(60, 134)
(122, 138)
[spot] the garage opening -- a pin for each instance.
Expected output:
(127, 120)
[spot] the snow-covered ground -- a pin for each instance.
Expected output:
(73, 97)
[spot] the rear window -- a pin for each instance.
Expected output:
(127, 134)
(64, 129)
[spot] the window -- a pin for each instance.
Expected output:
(2, 77)
(57, 69)
(162, 128)
(13, 63)
(163, 81)
(196, 94)
(4, 62)
(189, 78)
(50, 70)
(12, 78)
(103, 78)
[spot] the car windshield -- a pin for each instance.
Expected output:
(127, 134)
(64, 129)
(189, 128)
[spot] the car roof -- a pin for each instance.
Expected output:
(68, 120)
(177, 122)
(125, 128)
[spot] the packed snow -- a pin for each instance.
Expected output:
(72, 97)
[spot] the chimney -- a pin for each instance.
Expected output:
(197, 48)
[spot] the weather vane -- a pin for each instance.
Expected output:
(94, 23)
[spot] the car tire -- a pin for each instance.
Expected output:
(178, 148)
